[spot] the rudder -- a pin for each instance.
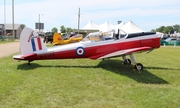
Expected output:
(30, 42)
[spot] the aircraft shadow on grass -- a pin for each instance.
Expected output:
(161, 68)
(115, 66)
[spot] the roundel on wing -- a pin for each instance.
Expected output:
(80, 51)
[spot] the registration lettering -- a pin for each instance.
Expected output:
(46, 56)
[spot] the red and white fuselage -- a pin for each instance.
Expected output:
(97, 45)
(88, 48)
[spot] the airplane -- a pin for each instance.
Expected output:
(97, 45)
(58, 39)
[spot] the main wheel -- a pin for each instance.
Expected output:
(139, 66)
(127, 62)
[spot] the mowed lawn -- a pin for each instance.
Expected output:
(85, 83)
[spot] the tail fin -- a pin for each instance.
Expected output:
(57, 38)
(30, 42)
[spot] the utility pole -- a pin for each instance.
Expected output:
(39, 22)
(13, 17)
(79, 19)
(5, 16)
(40, 25)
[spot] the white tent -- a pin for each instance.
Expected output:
(91, 26)
(102, 27)
(119, 25)
(130, 27)
(106, 26)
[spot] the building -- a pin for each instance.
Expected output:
(17, 29)
(2, 29)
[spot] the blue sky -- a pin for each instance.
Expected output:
(147, 14)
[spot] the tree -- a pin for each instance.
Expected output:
(176, 28)
(63, 29)
(22, 26)
(54, 30)
(168, 29)
(160, 29)
(69, 30)
(153, 30)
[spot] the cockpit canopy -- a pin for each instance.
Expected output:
(103, 36)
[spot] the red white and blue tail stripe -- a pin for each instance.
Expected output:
(36, 44)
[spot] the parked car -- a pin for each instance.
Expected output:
(164, 37)
(170, 41)
(48, 37)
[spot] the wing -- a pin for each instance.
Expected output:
(119, 53)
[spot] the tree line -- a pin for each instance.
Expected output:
(63, 29)
(168, 29)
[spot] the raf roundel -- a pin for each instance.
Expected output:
(80, 51)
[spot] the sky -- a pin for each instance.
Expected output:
(146, 14)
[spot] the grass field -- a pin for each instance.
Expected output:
(87, 83)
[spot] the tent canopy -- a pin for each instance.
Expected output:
(129, 27)
(90, 26)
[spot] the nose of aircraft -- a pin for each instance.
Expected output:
(161, 34)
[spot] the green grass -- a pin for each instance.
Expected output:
(87, 83)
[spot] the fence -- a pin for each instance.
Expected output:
(174, 43)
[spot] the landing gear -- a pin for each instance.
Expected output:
(29, 62)
(127, 62)
(132, 60)
(138, 66)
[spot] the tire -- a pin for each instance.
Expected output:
(139, 66)
(127, 62)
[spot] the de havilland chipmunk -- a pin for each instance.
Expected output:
(98, 45)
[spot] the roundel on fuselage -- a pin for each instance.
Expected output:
(80, 51)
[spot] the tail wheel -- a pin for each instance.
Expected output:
(139, 66)
(127, 62)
